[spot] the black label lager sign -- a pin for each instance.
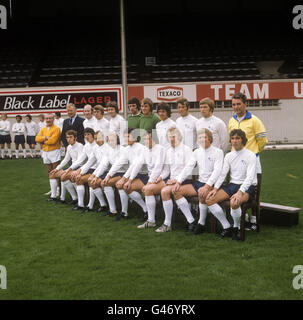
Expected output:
(50, 100)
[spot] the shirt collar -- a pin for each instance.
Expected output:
(247, 116)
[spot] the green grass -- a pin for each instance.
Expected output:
(51, 252)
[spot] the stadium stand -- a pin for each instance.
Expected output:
(64, 63)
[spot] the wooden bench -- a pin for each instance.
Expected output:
(278, 215)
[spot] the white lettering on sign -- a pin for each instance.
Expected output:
(297, 22)
(3, 17)
(298, 94)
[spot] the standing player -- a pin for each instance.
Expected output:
(241, 164)
(164, 112)
(133, 120)
(19, 129)
(215, 125)
(186, 123)
(116, 123)
(59, 123)
(209, 160)
(74, 150)
(5, 137)
(101, 124)
(32, 130)
(255, 133)
(41, 122)
(149, 120)
(89, 121)
(49, 137)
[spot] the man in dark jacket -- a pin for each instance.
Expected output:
(73, 122)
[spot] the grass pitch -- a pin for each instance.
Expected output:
(51, 252)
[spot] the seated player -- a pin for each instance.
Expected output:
(75, 168)
(115, 152)
(153, 157)
(241, 164)
(73, 152)
(5, 137)
(175, 159)
(85, 173)
(210, 161)
(132, 152)
(19, 129)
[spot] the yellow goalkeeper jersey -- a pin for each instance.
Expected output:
(254, 130)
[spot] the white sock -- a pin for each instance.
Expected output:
(9, 152)
(34, 152)
(253, 219)
(151, 207)
(136, 196)
(53, 186)
(71, 189)
(81, 194)
(17, 154)
(63, 191)
(92, 198)
(203, 213)
(24, 153)
(110, 196)
(124, 200)
(31, 152)
(236, 214)
(217, 211)
(168, 209)
(2, 153)
(246, 217)
(184, 207)
(99, 194)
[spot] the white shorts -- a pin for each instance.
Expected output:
(51, 156)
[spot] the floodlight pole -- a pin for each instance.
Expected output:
(123, 59)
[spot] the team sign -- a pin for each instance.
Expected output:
(51, 100)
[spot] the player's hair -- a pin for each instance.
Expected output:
(135, 100)
(174, 130)
(71, 133)
(89, 130)
(149, 102)
(134, 132)
(71, 105)
(29, 116)
(4, 114)
(210, 102)
(241, 96)
(113, 104)
(183, 101)
(18, 116)
(58, 114)
(239, 133)
(98, 107)
(113, 134)
(51, 114)
(207, 132)
(164, 106)
(153, 133)
(99, 134)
